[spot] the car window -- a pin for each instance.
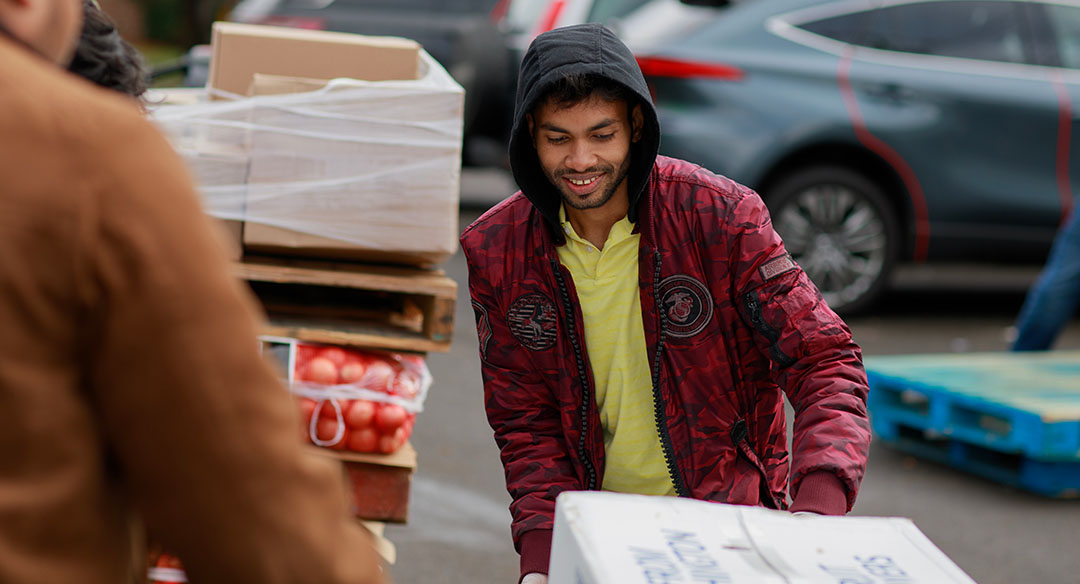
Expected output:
(846, 28)
(1065, 22)
(987, 30)
(605, 10)
(437, 6)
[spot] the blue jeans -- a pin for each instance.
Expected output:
(1051, 302)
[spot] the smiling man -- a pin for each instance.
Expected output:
(638, 316)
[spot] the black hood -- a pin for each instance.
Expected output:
(582, 49)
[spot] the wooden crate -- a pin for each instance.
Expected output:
(362, 305)
(379, 482)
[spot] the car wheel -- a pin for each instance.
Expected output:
(841, 230)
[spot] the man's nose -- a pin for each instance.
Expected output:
(581, 157)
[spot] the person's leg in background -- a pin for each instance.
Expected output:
(1053, 299)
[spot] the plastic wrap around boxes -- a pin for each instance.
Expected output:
(608, 538)
(341, 168)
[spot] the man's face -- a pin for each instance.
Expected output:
(584, 149)
(51, 27)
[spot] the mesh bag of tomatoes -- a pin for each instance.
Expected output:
(362, 401)
(164, 568)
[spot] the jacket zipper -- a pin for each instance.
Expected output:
(658, 401)
(740, 436)
(583, 378)
(757, 321)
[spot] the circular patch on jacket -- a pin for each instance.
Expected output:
(687, 303)
(532, 321)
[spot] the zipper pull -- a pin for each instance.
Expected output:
(738, 431)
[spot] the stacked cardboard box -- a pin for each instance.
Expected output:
(326, 153)
(326, 145)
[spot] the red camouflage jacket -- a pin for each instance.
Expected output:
(729, 320)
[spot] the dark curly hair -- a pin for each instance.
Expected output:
(574, 88)
(107, 59)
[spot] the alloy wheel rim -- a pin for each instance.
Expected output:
(837, 237)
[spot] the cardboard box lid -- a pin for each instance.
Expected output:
(611, 538)
(239, 51)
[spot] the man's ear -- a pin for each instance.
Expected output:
(637, 119)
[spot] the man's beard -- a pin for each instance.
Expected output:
(575, 202)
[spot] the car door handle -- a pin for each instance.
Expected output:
(893, 92)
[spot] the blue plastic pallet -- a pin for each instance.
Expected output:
(1019, 403)
(1058, 479)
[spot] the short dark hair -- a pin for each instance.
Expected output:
(575, 88)
(105, 58)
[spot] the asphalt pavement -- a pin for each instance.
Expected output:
(458, 528)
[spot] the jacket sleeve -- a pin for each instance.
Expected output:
(525, 416)
(814, 358)
(203, 435)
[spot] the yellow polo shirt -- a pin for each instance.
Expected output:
(606, 283)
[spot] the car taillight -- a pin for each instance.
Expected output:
(684, 69)
(305, 22)
(498, 12)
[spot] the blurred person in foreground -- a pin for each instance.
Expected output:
(104, 57)
(131, 385)
(1052, 300)
(638, 316)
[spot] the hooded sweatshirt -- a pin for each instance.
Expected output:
(728, 316)
(581, 49)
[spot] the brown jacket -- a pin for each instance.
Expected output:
(130, 380)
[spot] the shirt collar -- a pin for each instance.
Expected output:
(621, 230)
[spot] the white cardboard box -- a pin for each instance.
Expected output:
(610, 538)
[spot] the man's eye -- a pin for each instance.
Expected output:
(605, 136)
(556, 139)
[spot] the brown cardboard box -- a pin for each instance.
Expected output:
(272, 239)
(239, 51)
(379, 482)
(431, 227)
(366, 169)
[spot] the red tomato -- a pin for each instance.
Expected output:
(400, 437)
(307, 408)
(326, 429)
(327, 411)
(365, 440)
(167, 560)
(359, 414)
(386, 444)
(335, 355)
(389, 417)
(320, 370)
(352, 371)
(379, 376)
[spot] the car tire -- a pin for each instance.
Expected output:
(841, 229)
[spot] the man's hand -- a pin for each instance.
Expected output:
(534, 578)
